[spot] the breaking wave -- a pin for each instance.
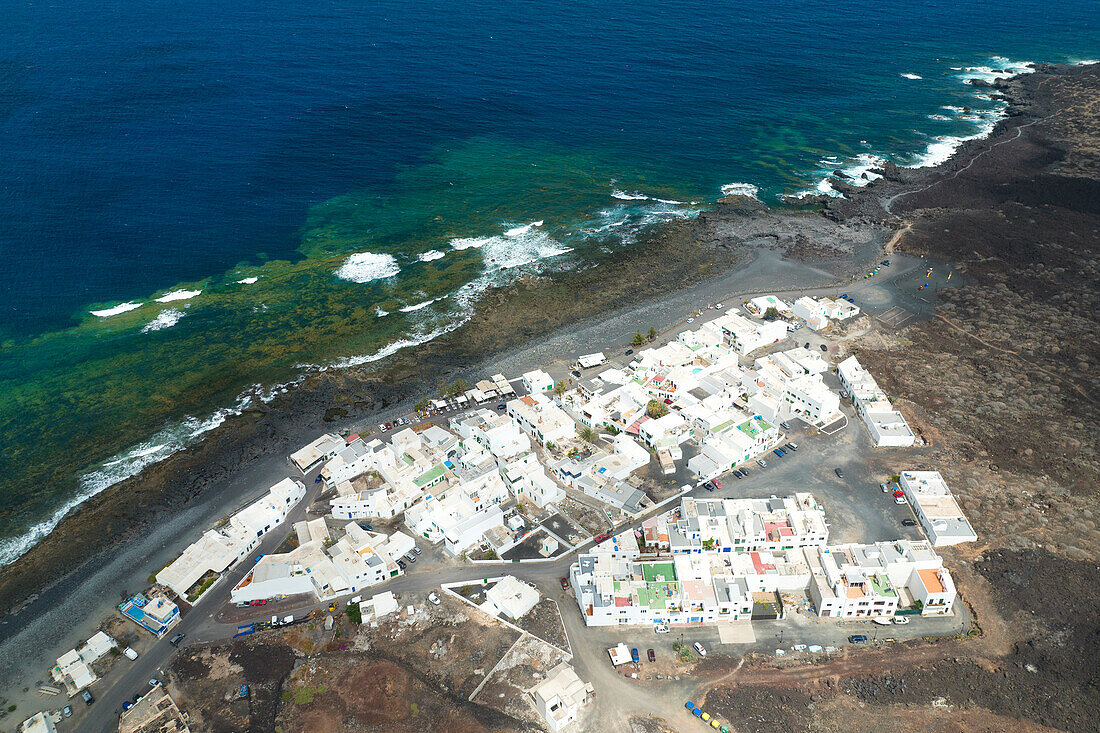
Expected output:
(517, 231)
(180, 294)
(119, 468)
(364, 267)
(740, 189)
(123, 308)
(165, 319)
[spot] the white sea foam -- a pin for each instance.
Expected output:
(623, 196)
(998, 68)
(952, 109)
(517, 231)
(669, 201)
(180, 294)
(119, 468)
(861, 172)
(502, 251)
(165, 319)
(247, 281)
(108, 312)
(431, 254)
(418, 306)
(912, 76)
(939, 117)
(740, 189)
(363, 267)
(414, 339)
(944, 146)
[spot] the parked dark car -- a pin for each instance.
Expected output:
(857, 639)
(908, 523)
(651, 655)
(737, 474)
(708, 486)
(564, 583)
(634, 655)
(628, 352)
(401, 564)
(824, 347)
(175, 640)
(87, 696)
(839, 473)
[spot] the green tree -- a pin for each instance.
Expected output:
(771, 314)
(638, 339)
(656, 409)
(559, 388)
(588, 434)
(422, 405)
(709, 544)
(652, 333)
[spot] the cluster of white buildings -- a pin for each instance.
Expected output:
(726, 405)
(218, 549)
(725, 560)
(817, 312)
(324, 566)
(886, 425)
(451, 484)
(788, 384)
(74, 667)
(738, 525)
(604, 475)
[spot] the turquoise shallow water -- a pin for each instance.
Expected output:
(374, 169)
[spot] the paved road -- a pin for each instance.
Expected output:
(103, 715)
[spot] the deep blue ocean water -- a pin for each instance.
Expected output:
(150, 146)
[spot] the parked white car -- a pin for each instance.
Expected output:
(900, 620)
(661, 628)
(433, 598)
(699, 648)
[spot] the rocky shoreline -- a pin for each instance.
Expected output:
(681, 253)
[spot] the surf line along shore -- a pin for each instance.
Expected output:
(110, 545)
